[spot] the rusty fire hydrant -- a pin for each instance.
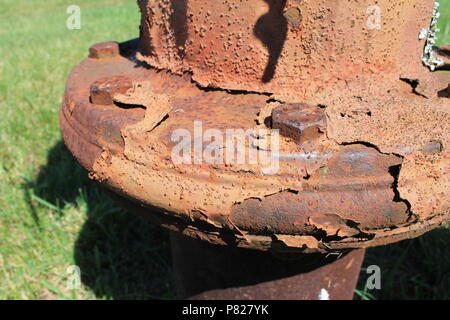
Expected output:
(307, 130)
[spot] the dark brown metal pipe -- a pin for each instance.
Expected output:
(210, 272)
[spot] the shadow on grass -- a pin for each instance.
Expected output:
(120, 255)
(412, 269)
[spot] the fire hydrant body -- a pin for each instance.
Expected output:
(302, 128)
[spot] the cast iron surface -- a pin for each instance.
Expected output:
(118, 116)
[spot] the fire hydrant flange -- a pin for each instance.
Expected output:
(118, 119)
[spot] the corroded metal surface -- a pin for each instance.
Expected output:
(326, 195)
(362, 158)
(299, 122)
(102, 91)
(104, 50)
(301, 49)
(360, 61)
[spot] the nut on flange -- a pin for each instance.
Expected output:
(102, 91)
(293, 16)
(104, 50)
(299, 121)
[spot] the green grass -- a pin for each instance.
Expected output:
(52, 216)
(444, 23)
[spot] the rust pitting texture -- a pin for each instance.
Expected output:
(343, 197)
(303, 49)
(363, 157)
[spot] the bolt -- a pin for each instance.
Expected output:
(299, 121)
(433, 147)
(103, 90)
(293, 16)
(104, 50)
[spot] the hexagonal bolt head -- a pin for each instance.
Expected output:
(103, 90)
(104, 50)
(293, 16)
(299, 121)
(433, 147)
